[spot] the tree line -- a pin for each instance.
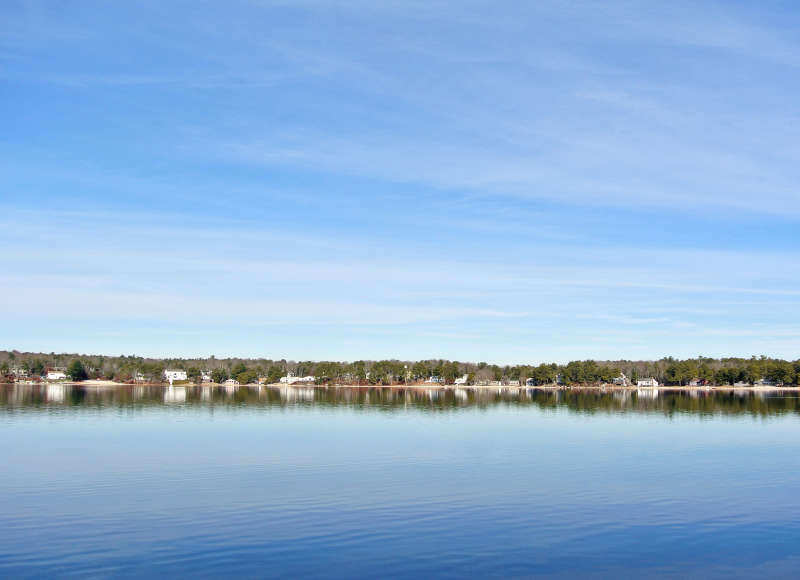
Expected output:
(668, 370)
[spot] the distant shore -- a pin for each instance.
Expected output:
(426, 386)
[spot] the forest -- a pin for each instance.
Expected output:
(668, 370)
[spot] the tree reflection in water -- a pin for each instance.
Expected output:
(728, 402)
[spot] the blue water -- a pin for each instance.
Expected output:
(341, 484)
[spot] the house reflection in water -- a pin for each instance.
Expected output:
(433, 394)
(56, 393)
(461, 395)
(38, 397)
(175, 395)
(291, 394)
(621, 396)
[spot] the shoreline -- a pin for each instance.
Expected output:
(439, 387)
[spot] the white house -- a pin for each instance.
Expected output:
(648, 382)
(290, 379)
(205, 376)
(174, 375)
(230, 386)
(56, 375)
(462, 380)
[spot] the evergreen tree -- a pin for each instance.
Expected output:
(76, 371)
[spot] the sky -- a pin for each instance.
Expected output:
(514, 182)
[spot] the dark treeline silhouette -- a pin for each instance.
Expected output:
(668, 371)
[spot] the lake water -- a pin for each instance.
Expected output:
(339, 483)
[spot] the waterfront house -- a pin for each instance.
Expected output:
(648, 382)
(56, 375)
(434, 380)
(762, 382)
(621, 380)
(174, 375)
(462, 380)
(530, 383)
(205, 376)
(19, 372)
(231, 383)
(698, 382)
(290, 379)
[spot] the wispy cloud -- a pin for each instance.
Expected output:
(598, 179)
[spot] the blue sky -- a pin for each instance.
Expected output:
(512, 182)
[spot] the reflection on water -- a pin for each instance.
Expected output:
(56, 393)
(738, 401)
(175, 395)
(314, 482)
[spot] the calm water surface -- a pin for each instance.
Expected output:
(339, 483)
